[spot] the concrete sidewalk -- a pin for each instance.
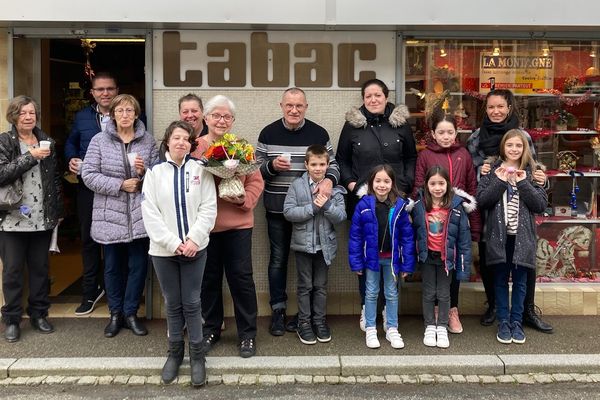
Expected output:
(78, 350)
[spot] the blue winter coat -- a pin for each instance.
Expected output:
(457, 252)
(85, 126)
(363, 251)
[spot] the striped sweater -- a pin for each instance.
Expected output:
(275, 140)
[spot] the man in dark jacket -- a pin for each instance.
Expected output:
(88, 122)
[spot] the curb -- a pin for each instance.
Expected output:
(336, 368)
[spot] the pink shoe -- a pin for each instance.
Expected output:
(454, 325)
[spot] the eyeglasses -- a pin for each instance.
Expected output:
(121, 111)
(104, 89)
(226, 118)
(298, 107)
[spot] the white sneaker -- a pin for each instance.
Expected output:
(371, 338)
(442, 337)
(429, 339)
(384, 317)
(361, 322)
(394, 338)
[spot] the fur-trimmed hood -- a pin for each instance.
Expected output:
(398, 117)
(468, 202)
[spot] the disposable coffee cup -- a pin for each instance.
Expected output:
(131, 157)
(44, 144)
(286, 156)
(79, 163)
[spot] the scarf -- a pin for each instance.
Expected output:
(490, 133)
(373, 119)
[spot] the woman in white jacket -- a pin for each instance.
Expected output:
(179, 211)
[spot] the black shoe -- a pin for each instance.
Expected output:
(489, 317)
(41, 325)
(209, 341)
(322, 331)
(292, 324)
(171, 368)
(12, 333)
(114, 325)
(133, 322)
(197, 364)
(306, 334)
(247, 348)
(533, 320)
(278, 322)
(88, 305)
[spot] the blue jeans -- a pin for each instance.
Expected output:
(125, 268)
(390, 291)
(180, 282)
(502, 272)
(280, 236)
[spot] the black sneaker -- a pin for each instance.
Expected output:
(322, 331)
(209, 341)
(247, 348)
(278, 322)
(87, 306)
(292, 324)
(306, 334)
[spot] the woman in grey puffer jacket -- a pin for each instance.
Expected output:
(115, 175)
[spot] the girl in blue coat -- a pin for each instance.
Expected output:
(443, 244)
(381, 244)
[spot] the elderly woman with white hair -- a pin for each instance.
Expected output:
(230, 245)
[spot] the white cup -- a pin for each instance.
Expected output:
(79, 163)
(131, 157)
(286, 156)
(44, 144)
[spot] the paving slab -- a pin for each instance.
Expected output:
(87, 366)
(441, 364)
(269, 365)
(550, 363)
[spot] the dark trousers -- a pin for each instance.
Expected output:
(230, 252)
(125, 272)
(17, 250)
(90, 250)
(312, 284)
(180, 281)
(487, 276)
(436, 287)
(519, 286)
(280, 236)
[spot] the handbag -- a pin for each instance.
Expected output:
(11, 195)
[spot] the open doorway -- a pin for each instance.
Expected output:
(53, 70)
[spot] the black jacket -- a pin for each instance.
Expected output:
(13, 165)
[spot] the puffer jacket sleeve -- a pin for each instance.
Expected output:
(406, 240)
(420, 170)
(293, 210)
(152, 216)
(344, 155)
(11, 168)
(207, 210)
(409, 158)
(335, 208)
(91, 171)
(356, 241)
(463, 260)
(471, 188)
(490, 190)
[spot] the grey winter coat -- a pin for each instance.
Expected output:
(532, 200)
(299, 209)
(117, 215)
(13, 165)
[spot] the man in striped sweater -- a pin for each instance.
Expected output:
(281, 148)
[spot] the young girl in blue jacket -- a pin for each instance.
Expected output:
(381, 244)
(443, 244)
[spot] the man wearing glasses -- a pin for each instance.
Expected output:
(281, 148)
(87, 123)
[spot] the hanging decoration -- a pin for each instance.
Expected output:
(568, 101)
(88, 48)
(476, 95)
(567, 161)
(574, 191)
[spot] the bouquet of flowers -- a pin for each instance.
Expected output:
(228, 158)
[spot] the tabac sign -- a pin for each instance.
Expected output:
(520, 72)
(274, 59)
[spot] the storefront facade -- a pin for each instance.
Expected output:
(544, 53)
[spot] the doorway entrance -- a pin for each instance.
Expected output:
(53, 71)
